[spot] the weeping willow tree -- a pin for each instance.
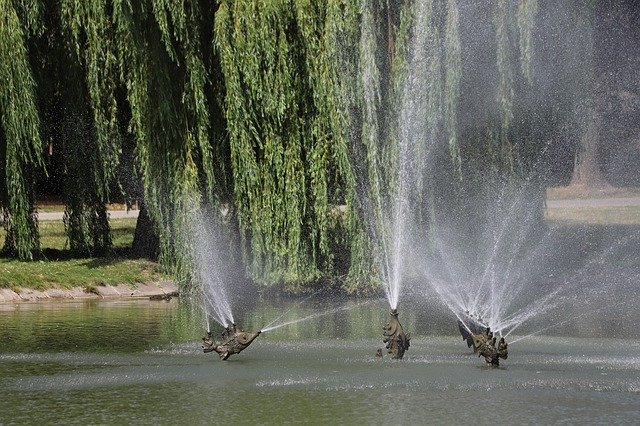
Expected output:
(281, 200)
(159, 56)
(20, 141)
(344, 40)
(86, 140)
(288, 113)
(330, 34)
(141, 69)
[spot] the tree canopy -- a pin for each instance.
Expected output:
(289, 120)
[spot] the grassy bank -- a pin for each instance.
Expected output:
(59, 270)
(70, 273)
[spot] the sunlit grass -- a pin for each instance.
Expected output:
(570, 192)
(69, 272)
(620, 215)
(53, 236)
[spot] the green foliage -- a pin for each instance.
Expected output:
(453, 71)
(526, 18)
(266, 107)
(505, 94)
(284, 112)
(21, 145)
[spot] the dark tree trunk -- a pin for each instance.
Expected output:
(587, 172)
(146, 242)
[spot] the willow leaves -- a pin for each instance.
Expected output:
(20, 141)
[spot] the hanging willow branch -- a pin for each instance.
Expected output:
(165, 92)
(453, 71)
(91, 142)
(267, 108)
(505, 93)
(526, 18)
(342, 40)
(90, 25)
(21, 145)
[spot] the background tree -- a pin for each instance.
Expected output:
(21, 145)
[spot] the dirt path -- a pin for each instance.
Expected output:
(121, 291)
(113, 214)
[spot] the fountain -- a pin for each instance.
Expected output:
(210, 272)
(484, 344)
(470, 325)
(394, 336)
(234, 341)
(390, 199)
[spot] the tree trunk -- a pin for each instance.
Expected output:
(587, 172)
(146, 242)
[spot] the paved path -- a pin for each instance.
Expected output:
(593, 202)
(113, 214)
(552, 204)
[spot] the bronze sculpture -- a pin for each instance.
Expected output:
(470, 324)
(234, 341)
(485, 345)
(394, 336)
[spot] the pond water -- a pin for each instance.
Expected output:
(140, 362)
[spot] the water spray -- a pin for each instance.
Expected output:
(270, 327)
(267, 327)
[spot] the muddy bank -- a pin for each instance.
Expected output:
(156, 290)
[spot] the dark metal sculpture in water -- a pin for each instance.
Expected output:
(481, 338)
(234, 341)
(394, 336)
(485, 345)
(468, 325)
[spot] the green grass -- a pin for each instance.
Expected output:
(53, 236)
(625, 215)
(42, 275)
(68, 272)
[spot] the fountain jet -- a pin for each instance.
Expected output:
(234, 341)
(394, 336)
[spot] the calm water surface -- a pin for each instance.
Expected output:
(140, 362)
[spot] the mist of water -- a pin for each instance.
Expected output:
(316, 315)
(391, 216)
(209, 270)
(518, 269)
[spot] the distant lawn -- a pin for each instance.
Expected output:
(622, 215)
(53, 236)
(70, 272)
(48, 206)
